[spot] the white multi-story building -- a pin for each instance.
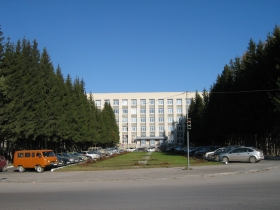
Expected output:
(148, 119)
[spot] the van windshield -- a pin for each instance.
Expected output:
(48, 154)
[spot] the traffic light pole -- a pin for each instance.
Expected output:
(188, 142)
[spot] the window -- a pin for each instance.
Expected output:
(179, 110)
(27, 154)
(107, 101)
(188, 101)
(116, 111)
(124, 102)
(179, 101)
(133, 102)
(161, 134)
(124, 129)
(152, 142)
(143, 142)
(124, 120)
(133, 111)
(142, 111)
(170, 111)
(152, 128)
(143, 128)
(170, 101)
(98, 103)
(124, 111)
(170, 119)
(152, 134)
(152, 101)
(133, 128)
(143, 102)
(160, 110)
(116, 102)
(143, 119)
(160, 101)
(152, 119)
(170, 128)
(180, 128)
(134, 120)
(20, 155)
(152, 111)
(143, 134)
(161, 119)
(161, 128)
(117, 119)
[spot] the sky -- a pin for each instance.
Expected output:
(123, 46)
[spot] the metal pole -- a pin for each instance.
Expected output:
(188, 143)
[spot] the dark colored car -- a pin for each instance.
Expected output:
(140, 149)
(201, 153)
(3, 164)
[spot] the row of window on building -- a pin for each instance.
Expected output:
(152, 128)
(124, 102)
(151, 119)
(151, 111)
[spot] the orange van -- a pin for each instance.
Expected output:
(38, 159)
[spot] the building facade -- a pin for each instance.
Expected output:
(148, 119)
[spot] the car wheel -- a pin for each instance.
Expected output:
(253, 159)
(225, 159)
(39, 169)
(21, 169)
(4, 169)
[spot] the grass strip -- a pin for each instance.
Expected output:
(132, 160)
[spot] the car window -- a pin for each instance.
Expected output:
(242, 149)
(250, 150)
(235, 151)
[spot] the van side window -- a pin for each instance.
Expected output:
(27, 154)
(38, 154)
(20, 155)
(33, 154)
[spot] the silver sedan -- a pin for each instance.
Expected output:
(243, 154)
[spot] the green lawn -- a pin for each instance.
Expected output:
(135, 160)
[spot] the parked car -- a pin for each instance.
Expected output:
(59, 161)
(201, 153)
(3, 164)
(130, 149)
(225, 150)
(65, 160)
(243, 154)
(141, 149)
(93, 154)
(80, 156)
(38, 159)
(211, 155)
(151, 149)
(70, 158)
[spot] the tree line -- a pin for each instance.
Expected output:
(39, 108)
(243, 106)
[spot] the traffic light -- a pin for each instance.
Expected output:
(189, 122)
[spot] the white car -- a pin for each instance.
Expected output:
(130, 149)
(151, 149)
(92, 155)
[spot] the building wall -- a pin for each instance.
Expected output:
(148, 114)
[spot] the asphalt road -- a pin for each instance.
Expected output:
(232, 186)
